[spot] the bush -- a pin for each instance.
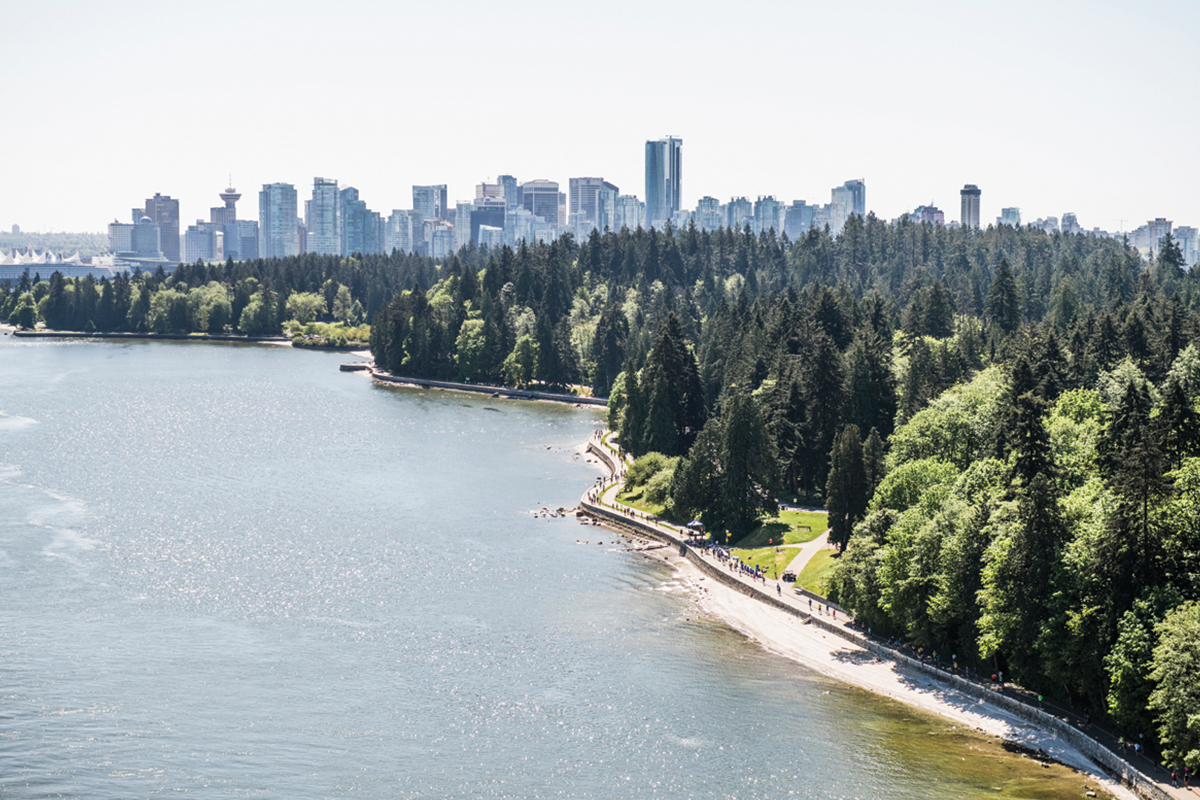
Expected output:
(658, 488)
(645, 468)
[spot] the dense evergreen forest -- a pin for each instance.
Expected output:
(1003, 423)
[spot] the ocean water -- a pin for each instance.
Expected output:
(232, 571)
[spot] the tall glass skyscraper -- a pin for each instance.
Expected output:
(970, 205)
(321, 218)
(278, 225)
(664, 179)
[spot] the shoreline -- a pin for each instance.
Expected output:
(819, 645)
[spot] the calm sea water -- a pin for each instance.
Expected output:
(236, 572)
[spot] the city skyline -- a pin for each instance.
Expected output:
(1031, 103)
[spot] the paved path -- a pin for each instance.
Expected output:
(814, 605)
(807, 551)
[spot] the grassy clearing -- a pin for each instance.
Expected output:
(774, 563)
(815, 575)
(788, 527)
(635, 499)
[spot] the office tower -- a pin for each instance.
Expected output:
(164, 212)
(462, 224)
(540, 198)
(852, 195)
(970, 206)
(146, 240)
(798, 219)
(441, 240)
(512, 195)
(664, 179)
(247, 235)
(766, 214)
(585, 194)
(492, 191)
(1070, 224)
(1188, 238)
(709, 215)
(738, 211)
(930, 214)
(490, 236)
(322, 217)
(398, 234)
(279, 234)
(488, 212)
(606, 209)
(430, 201)
(120, 237)
(360, 228)
(204, 241)
(631, 212)
(1009, 216)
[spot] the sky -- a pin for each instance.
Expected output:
(1089, 107)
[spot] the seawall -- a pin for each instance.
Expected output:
(1106, 759)
(170, 337)
(500, 391)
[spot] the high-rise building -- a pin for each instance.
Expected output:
(540, 198)
(120, 237)
(738, 212)
(430, 201)
(631, 212)
(709, 214)
(931, 214)
(585, 193)
(462, 224)
(512, 194)
(798, 219)
(664, 179)
(767, 211)
(488, 212)
(606, 209)
(852, 195)
(398, 235)
(970, 206)
(1009, 216)
(1070, 223)
(146, 240)
(164, 212)
(1189, 243)
(279, 234)
(322, 217)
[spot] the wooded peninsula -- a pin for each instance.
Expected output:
(1003, 424)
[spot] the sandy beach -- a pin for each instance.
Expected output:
(830, 655)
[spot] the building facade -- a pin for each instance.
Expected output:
(163, 210)
(278, 226)
(970, 206)
(664, 179)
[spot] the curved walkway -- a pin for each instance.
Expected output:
(1145, 777)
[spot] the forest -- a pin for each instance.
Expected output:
(1002, 423)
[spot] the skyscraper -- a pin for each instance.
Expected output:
(278, 230)
(970, 206)
(584, 194)
(664, 179)
(430, 201)
(512, 196)
(321, 218)
(540, 198)
(164, 212)
(1010, 216)
(853, 195)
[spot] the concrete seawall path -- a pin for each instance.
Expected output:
(783, 621)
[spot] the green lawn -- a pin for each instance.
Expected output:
(634, 499)
(816, 573)
(789, 526)
(774, 563)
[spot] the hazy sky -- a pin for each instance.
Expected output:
(1088, 107)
